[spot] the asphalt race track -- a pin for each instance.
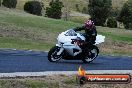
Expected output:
(36, 61)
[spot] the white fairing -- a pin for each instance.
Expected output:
(99, 39)
(64, 41)
(66, 38)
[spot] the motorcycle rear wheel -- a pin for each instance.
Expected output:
(52, 55)
(91, 55)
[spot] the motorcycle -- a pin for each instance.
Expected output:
(69, 47)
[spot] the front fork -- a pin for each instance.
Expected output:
(61, 49)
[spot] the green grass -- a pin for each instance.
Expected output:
(71, 80)
(23, 44)
(35, 84)
(27, 84)
(41, 84)
(37, 32)
(119, 35)
(119, 38)
(78, 19)
(36, 22)
(54, 82)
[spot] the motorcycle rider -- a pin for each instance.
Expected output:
(90, 32)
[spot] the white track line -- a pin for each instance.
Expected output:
(48, 73)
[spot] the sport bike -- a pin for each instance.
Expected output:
(71, 46)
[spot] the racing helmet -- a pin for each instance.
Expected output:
(88, 24)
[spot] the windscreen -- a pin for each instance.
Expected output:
(71, 33)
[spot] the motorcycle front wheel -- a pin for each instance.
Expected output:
(91, 54)
(52, 55)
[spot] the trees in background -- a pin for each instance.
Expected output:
(9, 3)
(33, 7)
(84, 10)
(99, 10)
(0, 2)
(126, 15)
(54, 11)
(111, 22)
(77, 8)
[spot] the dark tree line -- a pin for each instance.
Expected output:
(33, 7)
(99, 10)
(125, 15)
(53, 11)
(9, 3)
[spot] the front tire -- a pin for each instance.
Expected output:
(52, 55)
(91, 54)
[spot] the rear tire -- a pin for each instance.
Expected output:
(91, 55)
(52, 55)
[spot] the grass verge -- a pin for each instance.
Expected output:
(56, 81)
(25, 31)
